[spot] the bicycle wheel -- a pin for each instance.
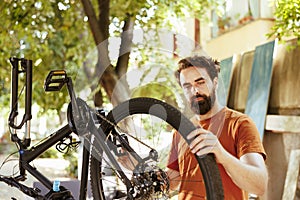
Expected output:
(147, 123)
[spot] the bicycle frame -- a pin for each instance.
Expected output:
(26, 154)
(80, 120)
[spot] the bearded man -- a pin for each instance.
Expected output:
(230, 135)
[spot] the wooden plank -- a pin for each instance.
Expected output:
(291, 180)
(283, 124)
(225, 78)
(243, 80)
(260, 83)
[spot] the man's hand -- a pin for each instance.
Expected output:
(204, 142)
(248, 172)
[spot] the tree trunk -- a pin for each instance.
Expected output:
(109, 77)
(114, 87)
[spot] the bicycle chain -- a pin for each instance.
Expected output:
(119, 129)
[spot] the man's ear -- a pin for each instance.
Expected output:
(216, 81)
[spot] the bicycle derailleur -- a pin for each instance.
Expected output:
(149, 182)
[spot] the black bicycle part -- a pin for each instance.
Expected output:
(85, 168)
(28, 155)
(79, 124)
(55, 80)
(208, 165)
(20, 66)
(33, 192)
(63, 194)
(87, 127)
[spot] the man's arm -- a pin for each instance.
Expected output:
(249, 172)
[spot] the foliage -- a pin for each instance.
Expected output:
(287, 20)
(50, 153)
(47, 33)
(72, 168)
(154, 80)
(71, 155)
(56, 34)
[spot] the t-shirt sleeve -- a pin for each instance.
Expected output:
(173, 155)
(249, 139)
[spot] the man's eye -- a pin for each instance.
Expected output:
(200, 82)
(186, 87)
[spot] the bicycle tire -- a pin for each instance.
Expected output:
(141, 105)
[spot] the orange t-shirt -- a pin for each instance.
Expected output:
(238, 135)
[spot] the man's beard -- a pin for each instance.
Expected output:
(205, 105)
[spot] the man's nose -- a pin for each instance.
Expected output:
(195, 89)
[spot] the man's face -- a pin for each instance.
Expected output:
(198, 88)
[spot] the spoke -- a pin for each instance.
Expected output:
(139, 140)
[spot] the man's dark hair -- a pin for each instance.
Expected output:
(212, 66)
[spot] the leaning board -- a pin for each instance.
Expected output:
(260, 83)
(292, 176)
(224, 82)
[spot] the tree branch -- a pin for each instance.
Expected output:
(104, 17)
(100, 32)
(93, 22)
(87, 70)
(104, 70)
(125, 47)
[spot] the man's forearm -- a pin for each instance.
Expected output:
(249, 173)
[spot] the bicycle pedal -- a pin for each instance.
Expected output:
(55, 80)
